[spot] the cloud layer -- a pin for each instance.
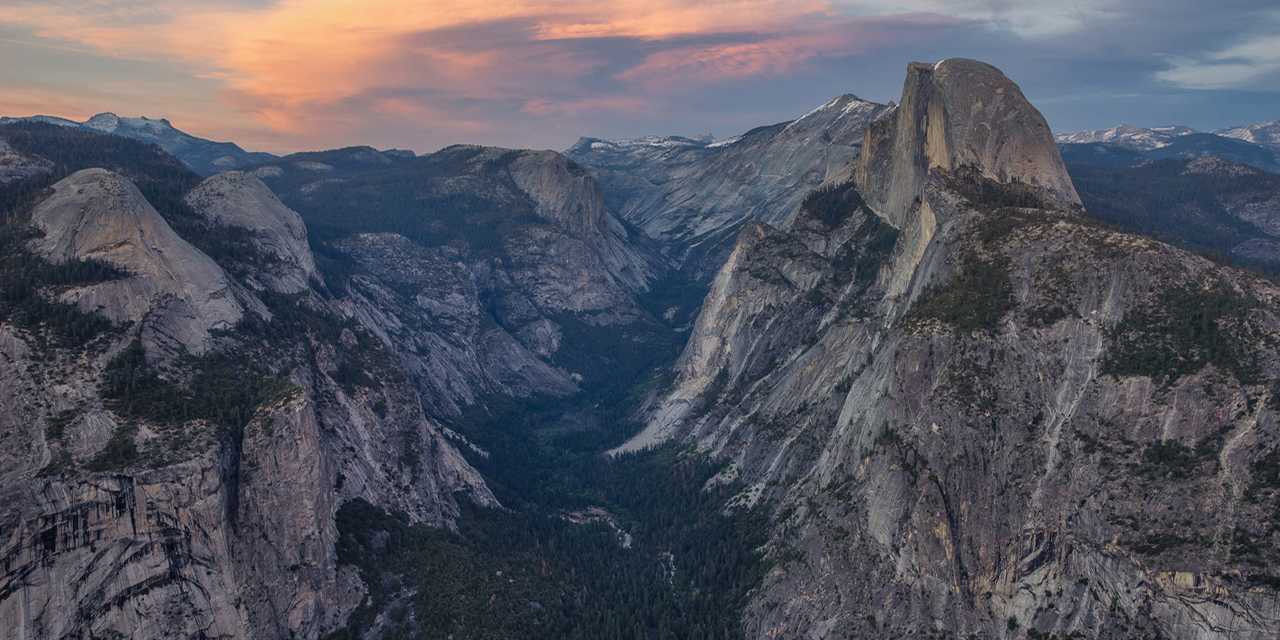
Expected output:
(295, 74)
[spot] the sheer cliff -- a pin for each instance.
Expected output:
(971, 411)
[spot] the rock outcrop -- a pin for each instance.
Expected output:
(954, 114)
(15, 166)
(180, 293)
(972, 412)
(241, 200)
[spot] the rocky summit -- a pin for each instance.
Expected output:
(887, 371)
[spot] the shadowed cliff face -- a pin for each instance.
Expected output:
(176, 470)
(495, 272)
(972, 412)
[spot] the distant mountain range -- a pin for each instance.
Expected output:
(1149, 138)
(205, 157)
(1125, 135)
(1257, 145)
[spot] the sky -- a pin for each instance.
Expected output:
(292, 75)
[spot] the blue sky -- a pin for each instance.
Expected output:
(304, 74)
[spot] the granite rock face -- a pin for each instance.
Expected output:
(241, 200)
(958, 113)
(431, 306)
(938, 383)
(119, 523)
(115, 522)
(693, 195)
(179, 291)
(501, 255)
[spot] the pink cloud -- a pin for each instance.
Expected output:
(773, 53)
(304, 70)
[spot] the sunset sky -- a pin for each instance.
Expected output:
(290, 75)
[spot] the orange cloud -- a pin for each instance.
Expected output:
(295, 65)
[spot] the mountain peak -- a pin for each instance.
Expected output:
(1266, 133)
(1129, 136)
(958, 113)
(105, 121)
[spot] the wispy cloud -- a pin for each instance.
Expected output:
(292, 66)
(1252, 64)
(305, 73)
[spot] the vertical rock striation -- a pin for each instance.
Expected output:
(972, 412)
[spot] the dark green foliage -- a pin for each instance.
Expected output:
(405, 197)
(1168, 459)
(296, 326)
(28, 281)
(975, 299)
(161, 178)
(1183, 330)
(120, 452)
(1057, 293)
(832, 204)
(1163, 200)
(57, 425)
(611, 359)
(986, 194)
(534, 574)
(1157, 543)
(1265, 472)
(349, 375)
(224, 389)
(980, 293)
(861, 259)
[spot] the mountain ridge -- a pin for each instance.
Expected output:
(956, 432)
(205, 157)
